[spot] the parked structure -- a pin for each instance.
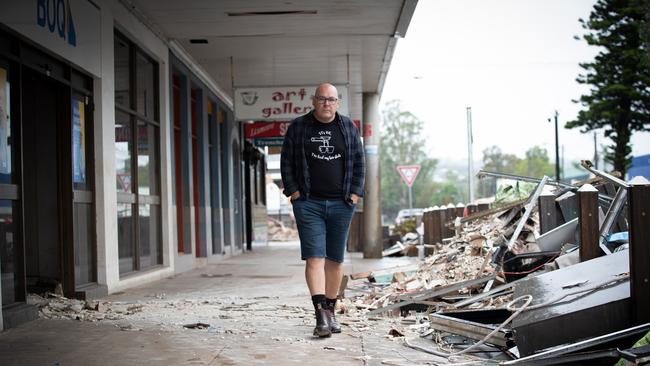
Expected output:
(121, 157)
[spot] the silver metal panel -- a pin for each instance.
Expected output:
(576, 317)
(554, 239)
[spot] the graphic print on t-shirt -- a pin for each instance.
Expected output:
(325, 150)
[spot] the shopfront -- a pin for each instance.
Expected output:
(47, 232)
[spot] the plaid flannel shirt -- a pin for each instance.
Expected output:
(293, 160)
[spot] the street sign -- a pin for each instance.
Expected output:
(408, 173)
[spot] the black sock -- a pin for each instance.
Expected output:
(331, 303)
(318, 300)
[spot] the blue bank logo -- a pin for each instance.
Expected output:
(56, 16)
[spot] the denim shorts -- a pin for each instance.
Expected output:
(323, 227)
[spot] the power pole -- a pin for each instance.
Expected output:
(557, 150)
(595, 151)
(470, 162)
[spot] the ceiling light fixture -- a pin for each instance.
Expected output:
(279, 12)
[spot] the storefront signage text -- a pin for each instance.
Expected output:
(280, 103)
(56, 16)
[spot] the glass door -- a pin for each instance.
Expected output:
(83, 210)
(11, 250)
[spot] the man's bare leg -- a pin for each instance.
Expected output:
(315, 275)
(333, 276)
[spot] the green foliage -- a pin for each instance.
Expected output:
(402, 143)
(496, 161)
(514, 191)
(536, 164)
(408, 226)
(452, 190)
(619, 77)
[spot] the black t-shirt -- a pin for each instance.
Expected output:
(325, 149)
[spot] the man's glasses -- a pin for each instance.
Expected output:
(322, 100)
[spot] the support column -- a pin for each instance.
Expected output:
(371, 236)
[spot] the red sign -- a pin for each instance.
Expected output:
(408, 173)
(266, 129)
(260, 129)
(367, 129)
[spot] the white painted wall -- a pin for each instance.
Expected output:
(23, 17)
(95, 23)
(141, 35)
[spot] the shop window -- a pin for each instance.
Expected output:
(10, 251)
(137, 157)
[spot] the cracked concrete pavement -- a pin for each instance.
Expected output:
(247, 310)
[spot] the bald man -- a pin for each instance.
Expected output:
(323, 172)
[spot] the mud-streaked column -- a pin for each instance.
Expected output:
(371, 236)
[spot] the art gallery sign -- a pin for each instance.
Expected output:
(279, 103)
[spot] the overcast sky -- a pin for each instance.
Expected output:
(513, 61)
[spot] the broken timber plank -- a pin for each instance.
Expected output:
(428, 294)
(493, 211)
(470, 329)
(360, 275)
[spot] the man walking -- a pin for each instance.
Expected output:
(323, 172)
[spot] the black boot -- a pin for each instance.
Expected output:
(335, 327)
(322, 322)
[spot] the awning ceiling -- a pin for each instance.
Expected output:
(272, 43)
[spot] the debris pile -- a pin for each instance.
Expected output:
(462, 258)
(511, 281)
(277, 231)
(53, 306)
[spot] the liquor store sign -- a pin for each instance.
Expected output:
(281, 103)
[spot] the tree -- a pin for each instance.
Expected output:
(496, 161)
(536, 164)
(619, 99)
(452, 190)
(402, 143)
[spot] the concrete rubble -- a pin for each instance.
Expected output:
(457, 304)
(462, 294)
(277, 231)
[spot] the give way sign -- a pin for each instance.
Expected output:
(408, 173)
